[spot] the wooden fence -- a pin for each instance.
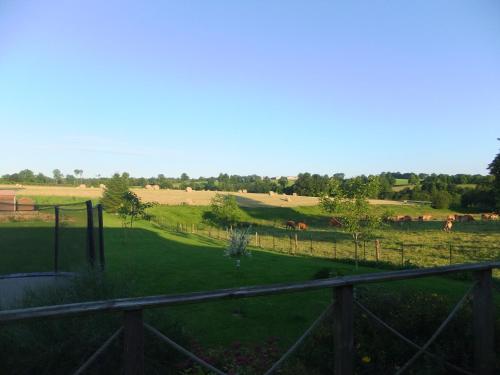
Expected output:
(344, 302)
(307, 244)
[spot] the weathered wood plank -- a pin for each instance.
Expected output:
(133, 343)
(115, 305)
(343, 335)
(483, 324)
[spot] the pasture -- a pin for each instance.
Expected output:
(172, 197)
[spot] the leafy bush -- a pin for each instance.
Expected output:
(441, 199)
(225, 209)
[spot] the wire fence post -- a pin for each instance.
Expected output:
(296, 242)
(56, 239)
(377, 250)
(101, 236)
(311, 243)
(274, 243)
(133, 343)
(483, 324)
(90, 234)
(343, 336)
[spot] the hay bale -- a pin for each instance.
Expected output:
(245, 191)
(102, 186)
(271, 193)
(82, 186)
(240, 191)
(148, 187)
(288, 198)
(294, 194)
(189, 189)
(156, 187)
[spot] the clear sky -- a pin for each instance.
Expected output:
(265, 87)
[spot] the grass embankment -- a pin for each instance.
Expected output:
(420, 243)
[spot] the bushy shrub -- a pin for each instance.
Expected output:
(441, 199)
(225, 209)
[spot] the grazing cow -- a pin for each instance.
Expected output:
(448, 225)
(488, 217)
(405, 218)
(301, 225)
(464, 218)
(425, 218)
(334, 222)
(290, 224)
(451, 218)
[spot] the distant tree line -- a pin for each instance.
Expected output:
(460, 190)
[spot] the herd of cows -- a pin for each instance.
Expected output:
(448, 224)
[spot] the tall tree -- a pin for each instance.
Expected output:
(58, 176)
(114, 194)
(494, 168)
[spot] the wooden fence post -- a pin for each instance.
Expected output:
(56, 239)
(256, 239)
(133, 343)
(483, 324)
(334, 248)
(102, 260)
(343, 330)
(311, 242)
(450, 252)
(402, 254)
(377, 250)
(296, 244)
(90, 234)
(274, 243)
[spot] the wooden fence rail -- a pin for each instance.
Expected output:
(343, 299)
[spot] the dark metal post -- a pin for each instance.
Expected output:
(483, 324)
(56, 239)
(133, 343)
(90, 234)
(101, 236)
(343, 330)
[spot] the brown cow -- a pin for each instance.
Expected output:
(334, 222)
(464, 218)
(448, 225)
(301, 225)
(290, 224)
(488, 217)
(451, 218)
(425, 218)
(406, 218)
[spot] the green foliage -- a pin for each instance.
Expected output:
(349, 203)
(132, 208)
(441, 199)
(113, 197)
(225, 209)
(494, 168)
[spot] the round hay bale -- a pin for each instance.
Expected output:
(189, 189)
(82, 186)
(148, 187)
(156, 187)
(294, 194)
(288, 198)
(271, 193)
(245, 191)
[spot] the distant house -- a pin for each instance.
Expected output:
(7, 200)
(292, 178)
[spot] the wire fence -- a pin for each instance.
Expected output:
(43, 237)
(338, 246)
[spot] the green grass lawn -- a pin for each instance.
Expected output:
(148, 261)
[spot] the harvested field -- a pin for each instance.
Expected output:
(179, 197)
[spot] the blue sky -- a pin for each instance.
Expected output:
(243, 87)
